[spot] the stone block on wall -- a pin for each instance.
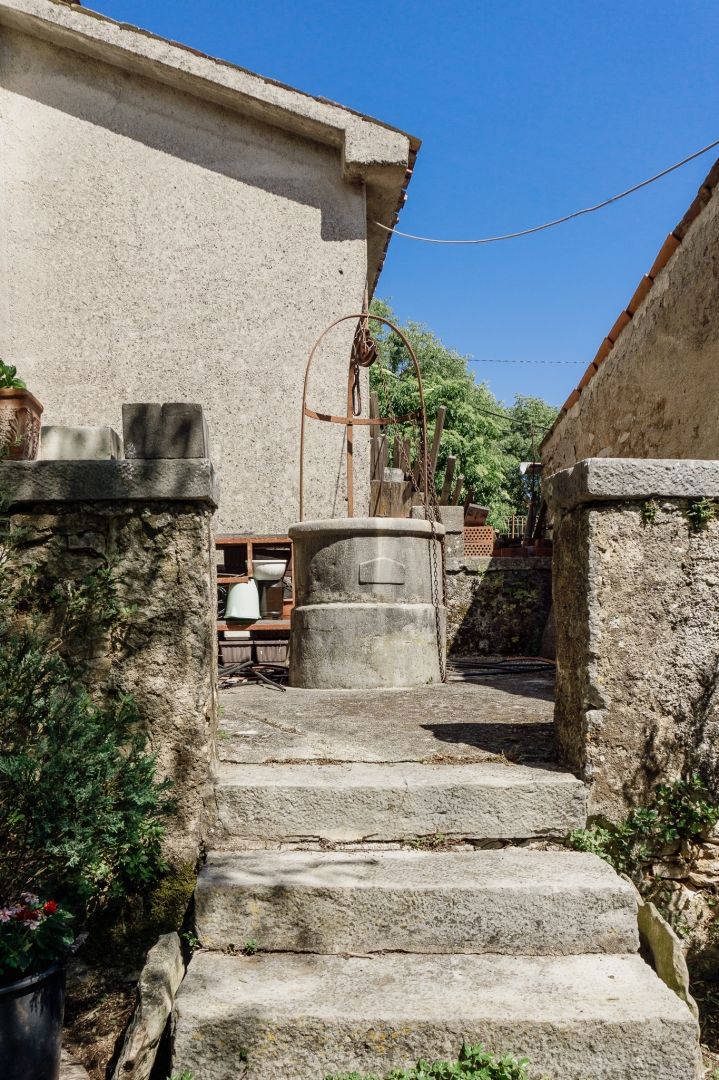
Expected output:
(172, 430)
(60, 442)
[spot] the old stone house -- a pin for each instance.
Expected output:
(175, 228)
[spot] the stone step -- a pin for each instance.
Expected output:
(510, 901)
(359, 801)
(302, 1017)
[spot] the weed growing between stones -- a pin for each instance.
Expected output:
(649, 512)
(473, 1063)
(679, 811)
(699, 513)
(431, 842)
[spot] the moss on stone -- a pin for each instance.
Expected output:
(169, 900)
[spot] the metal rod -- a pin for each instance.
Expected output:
(422, 410)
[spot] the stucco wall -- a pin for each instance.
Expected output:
(156, 247)
(656, 394)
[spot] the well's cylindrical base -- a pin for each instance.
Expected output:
(364, 646)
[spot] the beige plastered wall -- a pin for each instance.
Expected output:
(656, 394)
(158, 247)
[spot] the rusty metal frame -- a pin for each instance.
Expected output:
(351, 421)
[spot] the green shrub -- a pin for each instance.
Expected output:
(81, 813)
(473, 1063)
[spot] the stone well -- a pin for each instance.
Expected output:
(364, 614)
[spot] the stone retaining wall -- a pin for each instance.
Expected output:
(161, 550)
(497, 606)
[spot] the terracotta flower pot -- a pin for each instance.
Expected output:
(20, 414)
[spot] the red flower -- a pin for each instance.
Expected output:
(50, 907)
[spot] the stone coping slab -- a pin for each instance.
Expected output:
(475, 564)
(365, 526)
(627, 479)
(178, 480)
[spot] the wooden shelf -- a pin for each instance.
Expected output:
(261, 624)
(250, 544)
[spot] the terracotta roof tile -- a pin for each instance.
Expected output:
(603, 351)
(666, 251)
(572, 400)
(588, 374)
(623, 320)
(639, 293)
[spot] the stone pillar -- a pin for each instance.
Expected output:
(636, 595)
(151, 520)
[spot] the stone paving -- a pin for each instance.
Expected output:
(391, 865)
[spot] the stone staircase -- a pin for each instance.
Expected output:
(403, 906)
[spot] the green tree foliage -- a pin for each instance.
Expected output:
(487, 438)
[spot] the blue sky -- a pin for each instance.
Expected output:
(526, 111)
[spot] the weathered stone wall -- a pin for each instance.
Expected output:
(164, 654)
(158, 245)
(655, 395)
(636, 593)
(497, 606)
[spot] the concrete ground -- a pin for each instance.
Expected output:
(490, 708)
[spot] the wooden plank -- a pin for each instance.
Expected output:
(448, 477)
(469, 499)
(229, 541)
(454, 501)
(382, 457)
(438, 429)
(261, 624)
(396, 453)
(390, 498)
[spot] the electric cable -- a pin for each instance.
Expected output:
(566, 217)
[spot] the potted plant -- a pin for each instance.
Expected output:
(35, 937)
(20, 414)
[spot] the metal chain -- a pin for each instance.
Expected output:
(433, 516)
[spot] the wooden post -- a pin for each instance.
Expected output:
(454, 501)
(448, 477)
(438, 429)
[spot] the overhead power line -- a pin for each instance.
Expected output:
(488, 360)
(560, 220)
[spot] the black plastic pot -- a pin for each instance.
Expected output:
(31, 1013)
